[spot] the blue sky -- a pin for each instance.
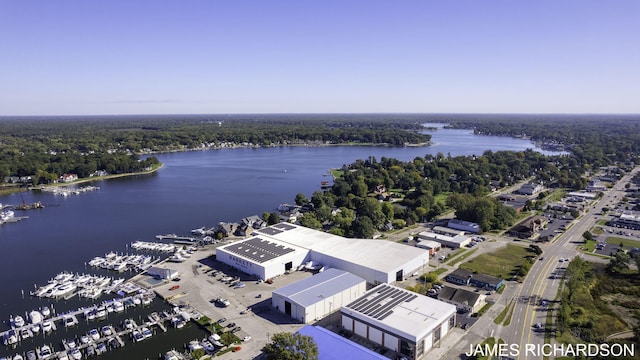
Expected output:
(218, 57)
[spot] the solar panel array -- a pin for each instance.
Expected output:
(259, 250)
(284, 226)
(270, 231)
(381, 304)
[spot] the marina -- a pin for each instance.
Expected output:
(97, 340)
(68, 191)
(73, 229)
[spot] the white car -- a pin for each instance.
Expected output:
(246, 338)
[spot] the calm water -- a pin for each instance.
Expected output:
(193, 189)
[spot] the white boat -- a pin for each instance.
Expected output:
(25, 333)
(194, 345)
(62, 355)
(35, 317)
(62, 277)
(84, 339)
(128, 324)
(42, 290)
(101, 348)
(63, 289)
(173, 355)
(106, 330)
(44, 352)
(118, 306)
(178, 322)
(45, 311)
(70, 343)
(208, 346)
(75, 354)
(31, 355)
(90, 314)
(6, 215)
(47, 326)
(70, 320)
(17, 321)
(199, 231)
(146, 332)
(101, 312)
(94, 334)
(91, 350)
(137, 335)
(96, 261)
(10, 337)
(17, 357)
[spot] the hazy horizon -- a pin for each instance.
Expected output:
(287, 57)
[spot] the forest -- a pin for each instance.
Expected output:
(370, 194)
(44, 148)
(414, 187)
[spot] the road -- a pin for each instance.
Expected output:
(534, 297)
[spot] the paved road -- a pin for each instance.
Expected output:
(535, 296)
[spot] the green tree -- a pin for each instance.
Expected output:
(198, 353)
(310, 220)
(287, 346)
(587, 235)
(273, 218)
(301, 199)
(363, 227)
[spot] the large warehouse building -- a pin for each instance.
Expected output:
(284, 247)
(317, 296)
(403, 321)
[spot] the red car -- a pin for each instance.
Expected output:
(175, 287)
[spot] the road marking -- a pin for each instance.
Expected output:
(527, 309)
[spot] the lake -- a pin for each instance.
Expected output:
(193, 189)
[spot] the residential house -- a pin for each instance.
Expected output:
(465, 301)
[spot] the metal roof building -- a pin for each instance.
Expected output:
(332, 346)
(376, 261)
(400, 320)
(317, 296)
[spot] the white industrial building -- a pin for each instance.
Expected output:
(285, 247)
(464, 226)
(403, 321)
(431, 246)
(454, 242)
(446, 231)
(261, 256)
(315, 297)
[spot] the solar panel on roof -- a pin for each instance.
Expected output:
(259, 250)
(382, 302)
(270, 231)
(284, 226)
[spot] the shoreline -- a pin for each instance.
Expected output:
(97, 178)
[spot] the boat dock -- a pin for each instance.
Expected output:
(177, 238)
(107, 337)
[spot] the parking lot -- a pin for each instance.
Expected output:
(249, 306)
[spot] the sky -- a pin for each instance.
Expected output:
(224, 57)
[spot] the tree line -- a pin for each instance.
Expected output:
(46, 147)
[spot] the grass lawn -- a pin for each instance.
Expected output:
(337, 173)
(505, 315)
(502, 263)
(460, 254)
(628, 243)
(589, 246)
(442, 198)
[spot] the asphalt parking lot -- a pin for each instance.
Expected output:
(249, 306)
